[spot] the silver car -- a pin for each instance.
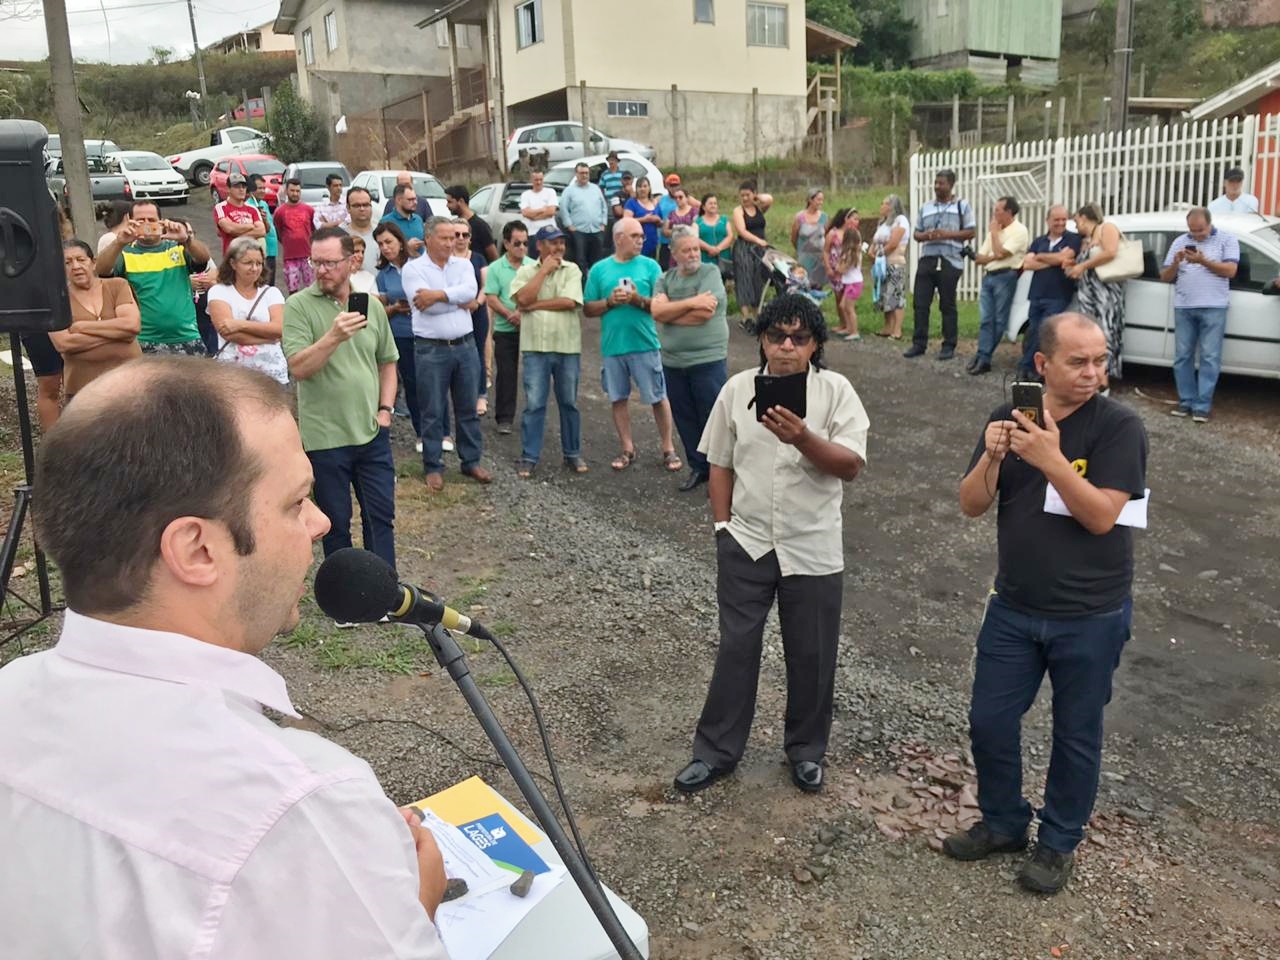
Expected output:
(313, 175)
(497, 204)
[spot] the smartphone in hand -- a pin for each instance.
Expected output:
(358, 303)
(1028, 399)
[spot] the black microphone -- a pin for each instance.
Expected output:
(356, 586)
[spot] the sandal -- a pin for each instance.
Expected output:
(576, 464)
(524, 469)
(671, 460)
(623, 460)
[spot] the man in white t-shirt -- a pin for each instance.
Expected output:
(538, 207)
(1233, 198)
(149, 807)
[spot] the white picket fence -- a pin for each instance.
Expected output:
(1144, 169)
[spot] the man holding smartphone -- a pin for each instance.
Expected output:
(1061, 603)
(344, 360)
(776, 486)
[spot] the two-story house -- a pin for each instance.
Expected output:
(699, 80)
(363, 60)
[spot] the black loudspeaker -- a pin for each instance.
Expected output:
(33, 282)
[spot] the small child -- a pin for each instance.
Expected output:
(848, 270)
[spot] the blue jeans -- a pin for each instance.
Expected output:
(692, 392)
(993, 306)
(539, 368)
(371, 471)
(408, 370)
(1038, 311)
(1206, 326)
(446, 372)
(1014, 652)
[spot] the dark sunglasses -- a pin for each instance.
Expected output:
(463, 236)
(518, 243)
(799, 338)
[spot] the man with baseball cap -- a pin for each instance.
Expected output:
(1233, 198)
(236, 216)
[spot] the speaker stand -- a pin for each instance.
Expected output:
(19, 614)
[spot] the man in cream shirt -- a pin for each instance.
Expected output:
(148, 808)
(1000, 257)
(776, 487)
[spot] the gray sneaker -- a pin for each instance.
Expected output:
(1180, 412)
(980, 841)
(1047, 871)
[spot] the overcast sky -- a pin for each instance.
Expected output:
(135, 26)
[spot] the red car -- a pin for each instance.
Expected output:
(245, 164)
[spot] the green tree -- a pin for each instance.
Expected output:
(296, 132)
(836, 14)
(160, 55)
(884, 34)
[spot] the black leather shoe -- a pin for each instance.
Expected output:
(915, 350)
(807, 775)
(695, 479)
(1047, 871)
(979, 842)
(698, 776)
(947, 353)
(979, 367)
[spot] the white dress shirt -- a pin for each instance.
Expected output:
(457, 278)
(149, 811)
(781, 501)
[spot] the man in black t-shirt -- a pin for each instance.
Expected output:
(1061, 601)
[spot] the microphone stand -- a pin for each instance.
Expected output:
(451, 657)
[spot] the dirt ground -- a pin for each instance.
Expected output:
(603, 587)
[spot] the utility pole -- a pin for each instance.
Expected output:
(1123, 66)
(66, 107)
(195, 42)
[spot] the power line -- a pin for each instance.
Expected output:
(97, 11)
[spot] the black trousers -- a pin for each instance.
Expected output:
(585, 249)
(928, 279)
(506, 357)
(809, 612)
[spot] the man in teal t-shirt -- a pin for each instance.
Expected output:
(618, 290)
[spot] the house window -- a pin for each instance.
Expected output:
(628, 108)
(331, 31)
(442, 33)
(308, 48)
(704, 11)
(766, 25)
(529, 23)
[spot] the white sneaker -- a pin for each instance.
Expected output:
(418, 446)
(446, 445)
(343, 625)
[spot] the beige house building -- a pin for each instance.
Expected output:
(259, 39)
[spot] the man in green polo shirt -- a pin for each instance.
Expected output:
(506, 320)
(345, 365)
(549, 295)
(618, 291)
(689, 309)
(152, 254)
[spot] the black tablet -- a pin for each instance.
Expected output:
(788, 391)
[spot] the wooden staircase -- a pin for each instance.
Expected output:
(824, 85)
(439, 131)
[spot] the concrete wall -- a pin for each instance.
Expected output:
(703, 127)
(1242, 13)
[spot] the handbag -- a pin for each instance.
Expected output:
(252, 307)
(1126, 265)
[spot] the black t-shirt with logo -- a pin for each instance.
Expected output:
(1051, 565)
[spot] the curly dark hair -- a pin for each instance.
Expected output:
(788, 308)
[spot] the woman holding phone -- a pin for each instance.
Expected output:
(247, 313)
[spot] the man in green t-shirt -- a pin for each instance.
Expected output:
(345, 365)
(618, 290)
(689, 309)
(506, 320)
(549, 295)
(153, 254)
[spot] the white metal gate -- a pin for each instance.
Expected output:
(1144, 169)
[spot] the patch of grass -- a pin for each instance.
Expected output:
(499, 678)
(304, 634)
(503, 628)
(347, 653)
(475, 588)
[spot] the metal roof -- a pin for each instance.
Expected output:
(1237, 98)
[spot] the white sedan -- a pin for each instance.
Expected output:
(150, 176)
(561, 174)
(1252, 344)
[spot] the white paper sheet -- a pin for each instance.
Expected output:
(463, 860)
(474, 927)
(1134, 513)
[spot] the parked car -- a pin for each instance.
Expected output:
(313, 175)
(562, 140)
(497, 204)
(54, 147)
(197, 165)
(105, 180)
(381, 184)
(1252, 344)
(561, 174)
(270, 167)
(150, 177)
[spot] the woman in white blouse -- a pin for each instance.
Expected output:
(247, 313)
